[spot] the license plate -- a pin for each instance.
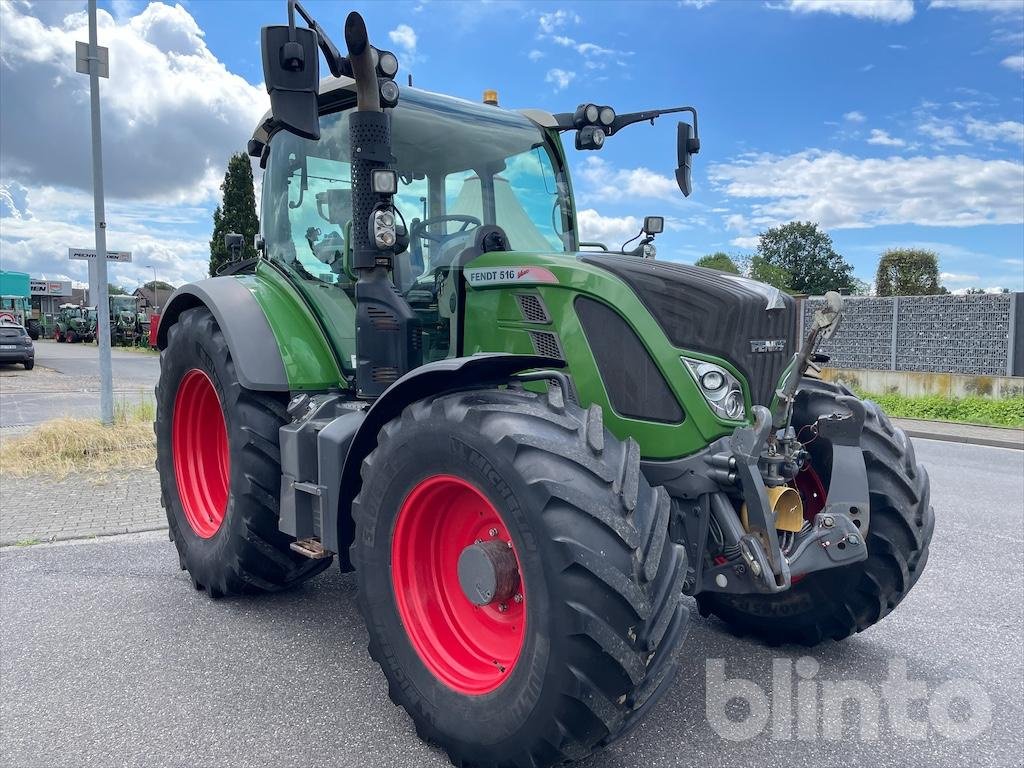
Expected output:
(8, 346)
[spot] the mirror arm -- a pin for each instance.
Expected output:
(337, 63)
(621, 121)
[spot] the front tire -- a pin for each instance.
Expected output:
(588, 640)
(29, 364)
(220, 467)
(838, 602)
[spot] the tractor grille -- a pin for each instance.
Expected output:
(532, 308)
(633, 381)
(546, 343)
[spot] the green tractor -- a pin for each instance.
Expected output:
(527, 453)
(128, 325)
(18, 310)
(74, 323)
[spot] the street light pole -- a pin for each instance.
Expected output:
(102, 305)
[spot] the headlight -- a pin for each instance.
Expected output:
(719, 387)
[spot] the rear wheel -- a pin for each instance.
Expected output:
(838, 602)
(71, 337)
(220, 470)
(519, 587)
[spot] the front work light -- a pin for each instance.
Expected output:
(385, 181)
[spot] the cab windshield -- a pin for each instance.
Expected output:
(461, 165)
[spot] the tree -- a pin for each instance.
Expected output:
(115, 290)
(237, 213)
(759, 268)
(806, 255)
(719, 261)
(907, 272)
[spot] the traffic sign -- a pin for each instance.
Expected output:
(89, 254)
(82, 59)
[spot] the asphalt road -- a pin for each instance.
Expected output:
(65, 382)
(108, 657)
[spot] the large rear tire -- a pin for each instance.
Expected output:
(220, 466)
(838, 602)
(586, 644)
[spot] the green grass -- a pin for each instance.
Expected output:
(1006, 412)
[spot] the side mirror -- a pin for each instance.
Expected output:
(234, 243)
(654, 225)
(687, 145)
(291, 70)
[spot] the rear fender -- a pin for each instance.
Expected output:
(245, 327)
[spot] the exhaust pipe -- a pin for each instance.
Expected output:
(386, 326)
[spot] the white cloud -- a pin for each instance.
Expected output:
(535, 55)
(1008, 131)
(867, 67)
(845, 191)
(605, 182)
(172, 115)
(172, 112)
(898, 46)
(404, 38)
(550, 22)
(698, 4)
(995, 6)
(883, 139)
(560, 78)
(610, 230)
(877, 10)
(954, 278)
(854, 117)
(745, 242)
(942, 134)
(1014, 63)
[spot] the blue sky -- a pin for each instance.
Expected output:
(892, 123)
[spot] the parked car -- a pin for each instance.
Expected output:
(16, 346)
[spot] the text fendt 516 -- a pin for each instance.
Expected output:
(527, 453)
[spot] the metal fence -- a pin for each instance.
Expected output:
(977, 334)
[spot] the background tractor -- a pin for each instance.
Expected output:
(18, 309)
(528, 454)
(73, 323)
(128, 325)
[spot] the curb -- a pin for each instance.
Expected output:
(1015, 442)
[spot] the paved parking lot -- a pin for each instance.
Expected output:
(65, 382)
(108, 657)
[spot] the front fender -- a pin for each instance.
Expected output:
(437, 378)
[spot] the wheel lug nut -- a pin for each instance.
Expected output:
(502, 607)
(518, 598)
(493, 532)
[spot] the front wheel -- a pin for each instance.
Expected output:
(838, 602)
(220, 467)
(519, 587)
(29, 364)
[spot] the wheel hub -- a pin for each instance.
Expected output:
(488, 572)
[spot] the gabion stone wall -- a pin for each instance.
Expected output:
(864, 338)
(971, 335)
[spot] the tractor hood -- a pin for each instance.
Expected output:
(750, 324)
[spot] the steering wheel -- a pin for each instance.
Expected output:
(418, 231)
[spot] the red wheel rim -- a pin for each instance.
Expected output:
(471, 649)
(199, 445)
